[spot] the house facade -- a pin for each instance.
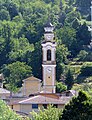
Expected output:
(41, 101)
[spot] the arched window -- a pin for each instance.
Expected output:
(48, 55)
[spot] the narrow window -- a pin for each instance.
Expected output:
(34, 106)
(45, 106)
(11, 106)
(48, 55)
(55, 105)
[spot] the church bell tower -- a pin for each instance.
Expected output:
(49, 60)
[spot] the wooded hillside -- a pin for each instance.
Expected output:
(21, 32)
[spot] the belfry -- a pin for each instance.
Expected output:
(49, 59)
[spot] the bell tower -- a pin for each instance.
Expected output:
(49, 60)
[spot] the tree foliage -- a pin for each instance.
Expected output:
(14, 74)
(21, 31)
(86, 69)
(6, 113)
(51, 113)
(69, 79)
(79, 108)
(60, 87)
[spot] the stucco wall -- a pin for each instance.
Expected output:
(16, 107)
(31, 87)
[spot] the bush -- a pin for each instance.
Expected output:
(51, 113)
(79, 108)
(86, 69)
(60, 87)
(82, 55)
(6, 113)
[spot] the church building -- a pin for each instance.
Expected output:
(46, 94)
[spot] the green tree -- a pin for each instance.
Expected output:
(79, 108)
(5, 32)
(2, 51)
(82, 56)
(12, 8)
(61, 53)
(86, 69)
(76, 23)
(51, 113)
(69, 79)
(71, 2)
(83, 36)
(71, 17)
(35, 60)
(60, 87)
(83, 6)
(20, 48)
(67, 35)
(8, 30)
(35, 16)
(87, 87)
(14, 73)
(61, 58)
(21, 29)
(4, 15)
(6, 113)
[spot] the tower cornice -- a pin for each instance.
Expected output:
(43, 65)
(46, 43)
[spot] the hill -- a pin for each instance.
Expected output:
(21, 32)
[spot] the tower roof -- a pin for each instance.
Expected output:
(48, 24)
(48, 27)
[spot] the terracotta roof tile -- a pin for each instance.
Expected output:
(2, 91)
(39, 99)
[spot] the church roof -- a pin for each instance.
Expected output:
(44, 91)
(1, 77)
(32, 78)
(40, 99)
(73, 92)
(48, 24)
(3, 91)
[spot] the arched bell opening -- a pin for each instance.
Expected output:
(49, 55)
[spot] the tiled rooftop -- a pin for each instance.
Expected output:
(2, 91)
(32, 78)
(39, 99)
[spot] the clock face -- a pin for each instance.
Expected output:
(49, 37)
(49, 69)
